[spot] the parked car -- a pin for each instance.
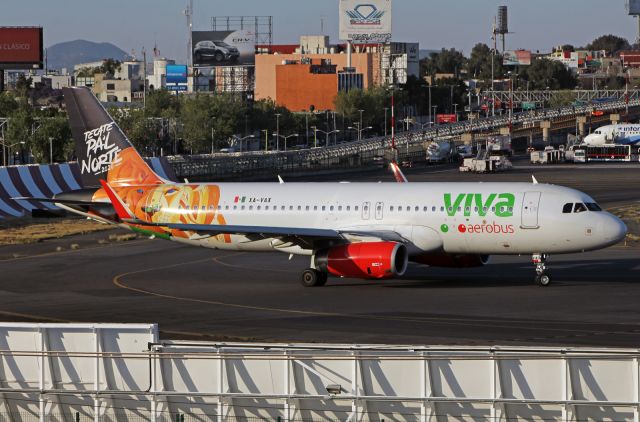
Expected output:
(214, 51)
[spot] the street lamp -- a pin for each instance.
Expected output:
(455, 111)
(357, 128)
(385, 121)
(278, 136)
(326, 134)
(6, 147)
(50, 150)
(278, 124)
(242, 139)
(435, 108)
(361, 111)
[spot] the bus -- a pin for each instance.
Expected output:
(609, 152)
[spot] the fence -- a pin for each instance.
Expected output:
(105, 372)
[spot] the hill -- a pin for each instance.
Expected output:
(67, 54)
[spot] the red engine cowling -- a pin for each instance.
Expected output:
(451, 260)
(364, 260)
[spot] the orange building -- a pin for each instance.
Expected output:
(297, 86)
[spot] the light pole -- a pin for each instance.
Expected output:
(430, 119)
(6, 147)
(326, 134)
(278, 136)
(361, 111)
(385, 121)
(50, 150)
(357, 128)
(242, 139)
(277, 125)
(510, 99)
(455, 111)
(435, 108)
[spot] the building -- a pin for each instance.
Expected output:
(158, 78)
(117, 90)
(377, 65)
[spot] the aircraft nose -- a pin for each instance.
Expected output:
(613, 229)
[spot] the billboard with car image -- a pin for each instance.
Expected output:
(223, 48)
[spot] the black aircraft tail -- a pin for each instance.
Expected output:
(103, 150)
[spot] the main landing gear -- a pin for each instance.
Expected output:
(542, 279)
(313, 278)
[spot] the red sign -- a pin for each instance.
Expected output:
(21, 47)
(446, 118)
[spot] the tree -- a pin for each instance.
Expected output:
(479, 63)
(20, 125)
(162, 103)
(141, 131)
(8, 104)
(612, 44)
(445, 61)
(562, 98)
(546, 73)
(57, 129)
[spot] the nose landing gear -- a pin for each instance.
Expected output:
(539, 259)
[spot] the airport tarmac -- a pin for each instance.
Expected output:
(203, 294)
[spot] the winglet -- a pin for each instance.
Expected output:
(280, 180)
(121, 208)
(397, 173)
(533, 178)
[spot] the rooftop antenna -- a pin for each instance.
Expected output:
(322, 24)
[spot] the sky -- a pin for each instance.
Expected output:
(134, 24)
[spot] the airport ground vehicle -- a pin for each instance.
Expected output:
(356, 230)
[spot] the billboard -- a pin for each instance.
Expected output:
(21, 48)
(446, 118)
(516, 58)
(365, 21)
(176, 74)
(223, 48)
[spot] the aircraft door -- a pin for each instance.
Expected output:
(379, 210)
(530, 203)
(366, 212)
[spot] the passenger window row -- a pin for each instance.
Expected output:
(399, 208)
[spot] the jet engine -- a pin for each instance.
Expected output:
(373, 260)
(451, 260)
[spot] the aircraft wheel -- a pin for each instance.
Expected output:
(543, 280)
(313, 278)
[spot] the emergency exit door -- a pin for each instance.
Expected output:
(530, 204)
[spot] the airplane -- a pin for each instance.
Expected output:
(354, 230)
(621, 134)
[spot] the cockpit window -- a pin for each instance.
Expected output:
(567, 208)
(598, 132)
(579, 207)
(592, 206)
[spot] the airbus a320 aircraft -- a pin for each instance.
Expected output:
(622, 134)
(358, 230)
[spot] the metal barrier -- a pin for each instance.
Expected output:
(123, 372)
(362, 153)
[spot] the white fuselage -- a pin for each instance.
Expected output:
(465, 218)
(623, 134)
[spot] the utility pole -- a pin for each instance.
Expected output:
(385, 121)
(144, 78)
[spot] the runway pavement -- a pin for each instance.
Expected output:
(214, 295)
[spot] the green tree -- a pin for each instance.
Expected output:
(8, 104)
(479, 63)
(20, 126)
(445, 61)
(162, 103)
(612, 44)
(562, 98)
(57, 129)
(546, 73)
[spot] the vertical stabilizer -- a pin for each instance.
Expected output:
(103, 151)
